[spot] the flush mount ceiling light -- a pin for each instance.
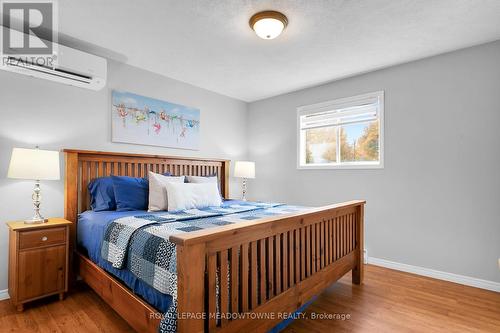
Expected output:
(268, 24)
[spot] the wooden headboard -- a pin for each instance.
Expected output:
(82, 166)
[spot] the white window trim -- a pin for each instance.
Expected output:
(329, 105)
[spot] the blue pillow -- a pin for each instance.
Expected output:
(130, 193)
(102, 195)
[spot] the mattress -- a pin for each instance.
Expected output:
(91, 228)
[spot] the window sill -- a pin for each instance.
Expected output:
(340, 167)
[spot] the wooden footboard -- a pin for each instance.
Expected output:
(272, 266)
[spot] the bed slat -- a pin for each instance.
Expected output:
(279, 267)
(271, 269)
(224, 297)
(291, 259)
(262, 270)
(212, 269)
(285, 261)
(244, 277)
(253, 277)
(235, 267)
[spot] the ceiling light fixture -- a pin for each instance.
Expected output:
(268, 24)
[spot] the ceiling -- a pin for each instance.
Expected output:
(208, 43)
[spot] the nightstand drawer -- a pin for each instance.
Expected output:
(42, 237)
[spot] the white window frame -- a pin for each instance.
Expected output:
(338, 104)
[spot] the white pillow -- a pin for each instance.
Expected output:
(188, 196)
(201, 179)
(157, 192)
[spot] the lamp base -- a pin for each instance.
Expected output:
(36, 197)
(36, 221)
(244, 190)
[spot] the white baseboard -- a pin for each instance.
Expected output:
(461, 279)
(4, 294)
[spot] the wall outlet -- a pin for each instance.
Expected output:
(498, 263)
(365, 257)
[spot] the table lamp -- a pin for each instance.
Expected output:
(245, 170)
(34, 164)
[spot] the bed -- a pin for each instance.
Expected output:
(274, 264)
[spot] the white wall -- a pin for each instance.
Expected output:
(436, 204)
(57, 116)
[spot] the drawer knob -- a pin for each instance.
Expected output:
(44, 238)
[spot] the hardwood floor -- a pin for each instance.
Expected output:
(81, 311)
(392, 301)
(388, 301)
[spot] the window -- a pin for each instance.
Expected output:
(344, 133)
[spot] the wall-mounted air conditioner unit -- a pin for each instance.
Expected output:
(72, 67)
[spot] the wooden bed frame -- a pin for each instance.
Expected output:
(273, 265)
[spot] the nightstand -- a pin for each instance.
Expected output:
(38, 260)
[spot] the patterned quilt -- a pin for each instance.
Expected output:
(141, 243)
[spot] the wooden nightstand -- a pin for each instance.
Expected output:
(38, 260)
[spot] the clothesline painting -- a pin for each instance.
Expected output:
(148, 121)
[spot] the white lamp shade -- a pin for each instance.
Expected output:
(34, 164)
(244, 169)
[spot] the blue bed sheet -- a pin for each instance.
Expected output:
(91, 228)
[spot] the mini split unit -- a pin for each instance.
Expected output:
(65, 65)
